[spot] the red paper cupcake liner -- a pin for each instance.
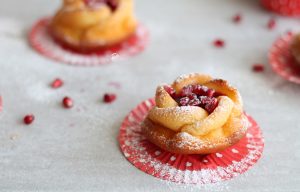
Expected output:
(188, 169)
(283, 7)
(43, 43)
(282, 60)
(0, 103)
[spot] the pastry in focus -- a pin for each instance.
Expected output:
(91, 25)
(295, 48)
(196, 114)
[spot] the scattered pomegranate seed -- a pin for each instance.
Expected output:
(67, 102)
(57, 83)
(258, 68)
(109, 97)
(237, 18)
(219, 43)
(28, 119)
(271, 24)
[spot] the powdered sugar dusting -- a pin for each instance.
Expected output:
(189, 169)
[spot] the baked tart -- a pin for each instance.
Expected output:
(91, 25)
(196, 114)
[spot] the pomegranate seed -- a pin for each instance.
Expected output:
(194, 102)
(258, 68)
(170, 90)
(67, 102)
(113, 4)
(237, 18)
(28, 119)
(192, 96)
(109, 97)
(57, 83)
(219, 43)
(271, 24)
(210, 92)
(187, 90)
(184, 101)
(205, 100)
(210, 107)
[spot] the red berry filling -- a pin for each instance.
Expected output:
(195, 95)
(112, 4)
(67, 102)
(28, 119)
(109, 97)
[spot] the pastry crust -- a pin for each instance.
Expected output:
(295, 48)
(82, 28)
(190, 129)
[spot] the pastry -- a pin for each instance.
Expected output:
(196, 115)
(295, 48)
(90, 25)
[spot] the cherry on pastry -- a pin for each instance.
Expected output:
(67, 102)
(28, 119)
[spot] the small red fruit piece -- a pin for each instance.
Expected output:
(210, 107)
(258, 68)
(194, 102)
(170, 90)
(184, 101)
(109, 97)
(237, 18)
(113, 4)
(57, 83)
(219, 43)
(28, 119)
(187, 90)
(271, 24)
(67, 102)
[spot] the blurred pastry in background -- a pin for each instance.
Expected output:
(91, 25)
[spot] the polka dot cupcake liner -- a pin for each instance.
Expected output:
(187, 169)
(43, 43)
(283, 7)
(282, 60)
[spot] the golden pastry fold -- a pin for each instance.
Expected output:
(196, 115)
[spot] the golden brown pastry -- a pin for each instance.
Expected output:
(196, 115)
(295, 48)
(87, 25)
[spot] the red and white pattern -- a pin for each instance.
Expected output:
(188, 169)
(282, 61)
(283, 7)
(43, 43)
(0, 103)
